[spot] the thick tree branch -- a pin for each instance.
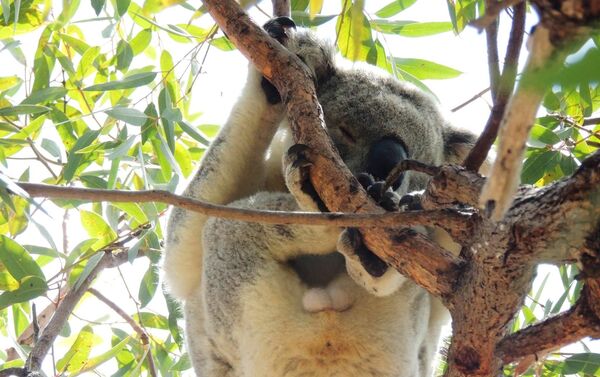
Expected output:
(552, 224)
(558, 331)
(504, 90)
(500, 188)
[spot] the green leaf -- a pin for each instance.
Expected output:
(150, 126)
(76, 357)
(305, 19)
(86, 65)
(6, 11)
(148, 286)
(425, 69)
(411, 28)
(74, 159)
(543, 135)
(133, 210)
(98, 5)
(8, 184)
(51, 93)
(394, 8)
(9, 82)
(124, 55)
(96, 361)
(17, 260)
(87, 270)
(354, 32)
(30, 287)
(141, 41)
(23, 109)
(133, 81)
(69, 9)
(122, 6)
(155, 321)
(223, 44)
(537, 165)
(77, 44)
(587, 363)
(97, 228)
(195, 134)
(128, 115)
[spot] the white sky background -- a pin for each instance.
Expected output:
(219, 84)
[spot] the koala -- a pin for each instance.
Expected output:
(299, 300)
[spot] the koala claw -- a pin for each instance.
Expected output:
(387, 199)
(410, 202)
(277, 28)
(370, 262)
(297, 162)
(365, 268)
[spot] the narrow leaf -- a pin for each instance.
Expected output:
(133, 81)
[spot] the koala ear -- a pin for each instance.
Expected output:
(457, 144)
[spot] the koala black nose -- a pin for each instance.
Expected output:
(383, 156)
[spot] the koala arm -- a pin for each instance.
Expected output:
(233, 167)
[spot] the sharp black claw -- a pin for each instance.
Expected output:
(371, 262)
(277, 27)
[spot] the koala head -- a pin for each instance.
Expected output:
(374, 120)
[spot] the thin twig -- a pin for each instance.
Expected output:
(505, 87)
(476, 96)
(144, 338)
(405, 165)
(493, 9)
(281, 8)
(491, 36)
(271, 217)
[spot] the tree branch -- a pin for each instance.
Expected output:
(452, 221)
(281, 8)
(64, 310)
(499, 190)
(506, 83)
(557, 219)
(553, 333)
(144, 338)
(492, 10)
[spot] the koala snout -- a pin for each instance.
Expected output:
(383, 156)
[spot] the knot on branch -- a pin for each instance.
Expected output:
(453, 185)
(566, 19)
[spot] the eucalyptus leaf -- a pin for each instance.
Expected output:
(133, 81)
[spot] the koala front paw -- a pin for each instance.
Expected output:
(387, 199)
(277, 28)
(365, 268)
(297, 163)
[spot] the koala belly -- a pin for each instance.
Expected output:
(276, 336)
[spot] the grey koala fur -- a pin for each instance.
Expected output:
(295, 300)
